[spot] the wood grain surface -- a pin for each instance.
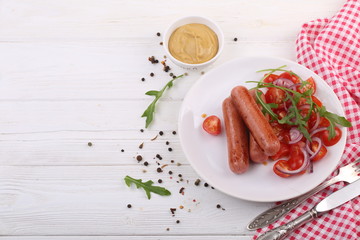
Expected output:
(70, 74)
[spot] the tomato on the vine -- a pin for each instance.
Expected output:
(212, 125)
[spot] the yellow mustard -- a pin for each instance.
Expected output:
(193, 43)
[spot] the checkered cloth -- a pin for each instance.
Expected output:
(331, 48)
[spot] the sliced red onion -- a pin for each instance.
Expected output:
(295, 135)
(316, 122)
(309, 150)
(293, 87)
(283, 82)
(317, 130)
(303, 167)
(304, 107)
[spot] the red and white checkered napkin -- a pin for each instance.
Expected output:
(331, 48)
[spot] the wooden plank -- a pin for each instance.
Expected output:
(100, 71)
(265, 19)
(93, 201)
(197, 237)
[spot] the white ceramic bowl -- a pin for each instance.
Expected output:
(194, 19)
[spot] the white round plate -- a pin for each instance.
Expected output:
(208, 154)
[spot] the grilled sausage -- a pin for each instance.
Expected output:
(256, 122)
(257, 155)
(237, 138)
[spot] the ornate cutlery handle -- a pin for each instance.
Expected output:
(274, 213)
(284, 230)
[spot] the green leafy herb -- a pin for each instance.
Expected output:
(293, 116)
(333, 119)
(147, 186)
(149, 112)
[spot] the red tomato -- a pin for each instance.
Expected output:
(275, 95)
(322, 152)
(212, 125)
(296, 156)
(283, 152)
(324, 122)
(271, 78)
(281, 164)
(281, 113)
(289, 76)
(316, 101)
(312, 120)
(310, 85)
(332, 141)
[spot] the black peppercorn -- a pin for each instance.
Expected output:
(206, 184)
(170, 172)
(89, 144)
(160, 181)
(174, 132)
(146, 163)
(159, 170)
(129, 206)
(218, 206)
(143, 79)
(161, 133)
(158, 34)
(235, 39)
(197, 182)
(170, 149)
(152, 74)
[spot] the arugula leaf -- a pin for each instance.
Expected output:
(150, 111)
(147, 186)
(333, 119)
(266, 107)
(293, 116)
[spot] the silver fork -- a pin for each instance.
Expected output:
(348, 173)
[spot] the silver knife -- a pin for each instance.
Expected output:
(336, 199)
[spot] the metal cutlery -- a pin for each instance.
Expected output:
(348, 173)
(334, 200)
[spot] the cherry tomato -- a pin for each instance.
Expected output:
(322, 152)
(316, 101)
(324, 122)
(280, 113)
(283, 152)
(310, 85)
(271, 78)
(332, 141)
(212, 125)
(275, 95)
(281, 164)
(289, 76)
(312, 120)
(296, 156)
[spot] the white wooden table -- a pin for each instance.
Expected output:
(70, 73)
